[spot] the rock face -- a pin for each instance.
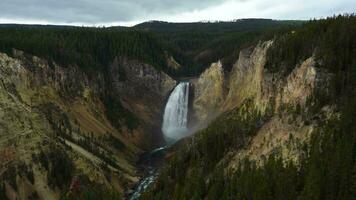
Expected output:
(301, 84)
(172, 63)
(243, 82)
(139, 87)
(286, 97)
(208, 93)
(143, 90)
(247, 76)
(45, 106)
(271, 94)
(140, 79)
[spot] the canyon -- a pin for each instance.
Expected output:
(136, 117)
(35, 89)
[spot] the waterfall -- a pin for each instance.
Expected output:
(174, 127)
(175, 116)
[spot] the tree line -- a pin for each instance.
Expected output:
(89, 48)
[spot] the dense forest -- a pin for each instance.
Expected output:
(332, 41)
(197, 45)
(89, 48)
(328, 169)
(196, 170)
(193, 45)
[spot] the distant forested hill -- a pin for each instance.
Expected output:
(196, 45)
(89, 48)
(193, 45)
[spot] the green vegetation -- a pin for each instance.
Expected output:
(94, 193)
(89, 144)
(193, 45)
(198, 158)
(114, 141)
(26, 171)
(197, 45)
(197, 170)
(63, 129)
(89, 48)
(332, 41)
(60, 162)
(118, 115)
(327, 171)
(59, 166)
(2, 191)
(82, 188)
(10, 176)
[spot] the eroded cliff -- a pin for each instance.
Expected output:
(208, 94)
(90, 126)
(286, 100)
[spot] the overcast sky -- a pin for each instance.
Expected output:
(130, 12)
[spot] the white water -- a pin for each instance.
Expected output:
(174, 127)
(175, 116)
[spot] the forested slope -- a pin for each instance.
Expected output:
(193, 45)
(89, 48)
(196, 45)
(292, 138)
(73, 114)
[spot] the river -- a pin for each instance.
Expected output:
(174, 128)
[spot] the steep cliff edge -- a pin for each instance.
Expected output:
(90, 126)
(227, 91)
(208, 94)
(271, 94)
(143, 91)
(247, 76)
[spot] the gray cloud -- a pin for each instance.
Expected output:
(97, 11)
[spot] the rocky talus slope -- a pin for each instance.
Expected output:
(59, 124)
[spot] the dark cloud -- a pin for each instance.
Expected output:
(97, 11)
(128, 12)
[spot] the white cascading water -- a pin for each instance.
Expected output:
(174, 127)
(175, 116)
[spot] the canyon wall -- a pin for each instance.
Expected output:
(284, 98)
(96, 122)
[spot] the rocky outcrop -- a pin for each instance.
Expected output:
(283, 98)
(172, 63)
(43, 104)
(208, 94)
(243, 82)
(300, 85)
(136, 79)
(143, 90)
(139, 87)
(247, 78)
